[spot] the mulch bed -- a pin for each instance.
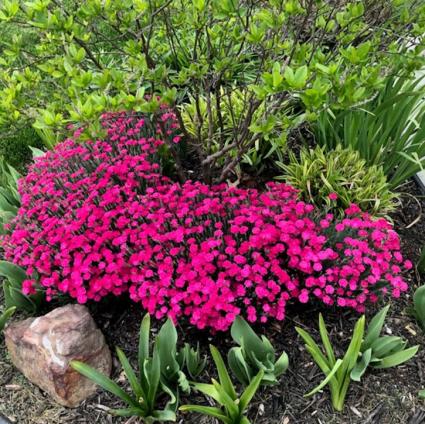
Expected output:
(382, 397)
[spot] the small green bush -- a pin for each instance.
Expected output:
(317, 174)
(14, 146)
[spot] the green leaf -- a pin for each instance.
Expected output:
(277, 77)
(419, 303)
(386, 345)
(238, 365)
(326, 342)
(300, 77)
(164, 415)
(361, 366)
(167, 347)
(131, 376)
(144, 341)
(127, 412)
(331, 374)
(226, 401)
(250, 391)
(223, 375)
(245, 336)
(207, 410)
(398, 358)
(152, 370)
(5, 316)
(281, 365)
(207, 389)
(103, 381)
(12, 272)
(375, 327)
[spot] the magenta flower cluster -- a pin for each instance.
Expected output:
(99, 218)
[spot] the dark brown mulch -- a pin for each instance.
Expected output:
(383, 397)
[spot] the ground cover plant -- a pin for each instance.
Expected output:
(231, 245)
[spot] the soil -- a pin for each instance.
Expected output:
(382, 397)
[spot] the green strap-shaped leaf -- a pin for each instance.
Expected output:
(143, 353)
(167, 339)
(351, 356)
(238, 365)
(208, 390)
(326, 342)
(207, 410)
(281, 365)
(223, 375)
(314, 350)
(12, 272)
(397, 358)
(386, 345)
(250, 391)
(361, 366)
(337, 365)
(374, 328)
(164, 415)
(419, 299)
(131, 376)
(226, 401)
(104, 382)
(127, 412)
(5, 316)
(152, 370)
(245, 336)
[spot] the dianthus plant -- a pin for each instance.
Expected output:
(99, 218)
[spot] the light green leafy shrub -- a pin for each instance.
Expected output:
(65, 62)
(318, 173)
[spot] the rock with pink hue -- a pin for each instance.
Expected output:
(43, 347)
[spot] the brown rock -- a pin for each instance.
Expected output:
(43, 347)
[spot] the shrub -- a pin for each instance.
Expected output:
(319, 173)
(15, 145)
(65, 61)
(388, 131)
(9, 196)
(99, 218)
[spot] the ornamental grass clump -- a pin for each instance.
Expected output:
(99, 218)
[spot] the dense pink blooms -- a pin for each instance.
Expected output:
(99, 218)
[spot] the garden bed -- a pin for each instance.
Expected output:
(384, 397)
